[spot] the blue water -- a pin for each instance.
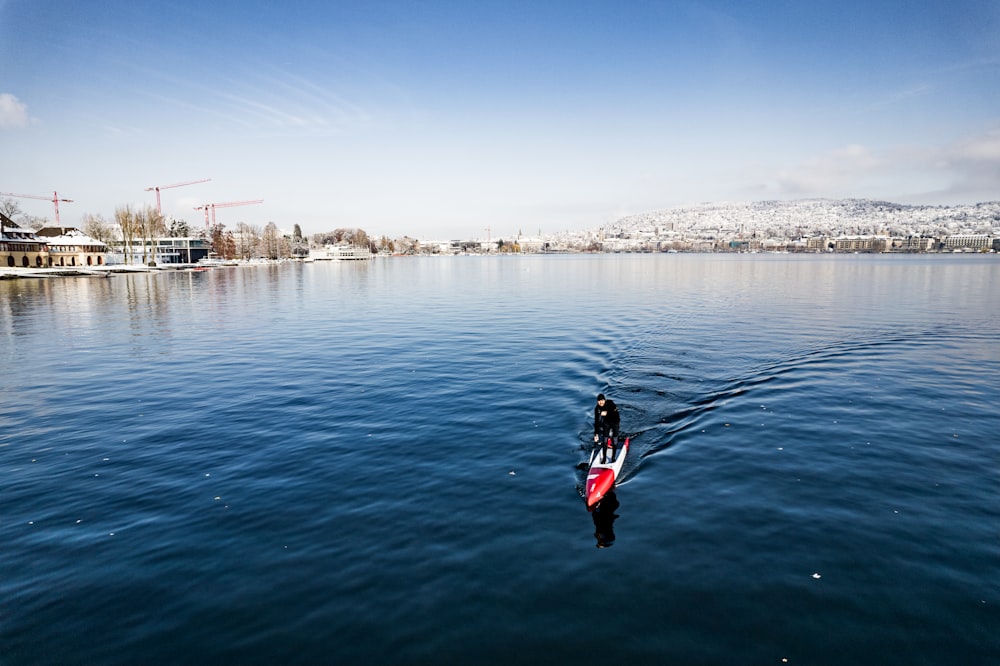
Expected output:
(378, 462)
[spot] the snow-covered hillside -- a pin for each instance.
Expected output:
(812, 217)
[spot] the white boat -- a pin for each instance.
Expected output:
(341, 253)
(210, 262)
(351, 253)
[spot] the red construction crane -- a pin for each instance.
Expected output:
(225, 204)
(55, 200)
(167, 187)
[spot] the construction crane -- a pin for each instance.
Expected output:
(157, 188)
(224, 204)
(55, 200)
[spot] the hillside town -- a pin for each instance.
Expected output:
(812, 225)
(805, 226)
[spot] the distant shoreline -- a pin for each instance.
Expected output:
(108, 271)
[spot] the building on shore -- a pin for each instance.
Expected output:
(973, 242)
(163, 250)
(20, 248)
(860, 244)
(68, 246)
(911, 244)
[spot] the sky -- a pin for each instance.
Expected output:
(472, 119)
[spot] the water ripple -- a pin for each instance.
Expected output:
(249, 465)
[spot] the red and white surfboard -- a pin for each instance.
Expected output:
(601, 477)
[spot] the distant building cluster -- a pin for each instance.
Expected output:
(816, 225)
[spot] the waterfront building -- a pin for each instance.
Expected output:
(20, 248)
(163, 250)
(976, 242)
(68, 246)
(530, 245)
(911, 244)
(859, 244)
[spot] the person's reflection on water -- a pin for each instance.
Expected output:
(604, 520)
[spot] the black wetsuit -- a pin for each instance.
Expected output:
(606, 427)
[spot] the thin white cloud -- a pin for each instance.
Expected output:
(974, 167)
(961, 171)
(984, 148)
(982, 63)
(832, 174)
(901, 96)
(13, 112)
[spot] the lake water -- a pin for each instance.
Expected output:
(378, 462)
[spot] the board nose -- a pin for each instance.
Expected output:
(598, 483)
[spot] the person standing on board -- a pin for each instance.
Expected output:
(606, 422)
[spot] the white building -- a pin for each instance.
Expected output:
(69, 246)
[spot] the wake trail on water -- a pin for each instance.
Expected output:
(655, 384)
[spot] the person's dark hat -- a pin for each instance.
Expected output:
(600, 396)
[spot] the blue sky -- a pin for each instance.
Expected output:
(441, 119)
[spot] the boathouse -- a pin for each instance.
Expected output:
(69, 246)
(20, 248)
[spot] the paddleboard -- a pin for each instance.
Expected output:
(601, 477)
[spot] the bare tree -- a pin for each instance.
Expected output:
(32, 222)
(125, 217)
(284, 247)
(269, 241)
(407, 245)
(350, 235)
(150, 227)
(11, 208)
(354, 236)
(247, 240)
(140, 228)
(98, 228)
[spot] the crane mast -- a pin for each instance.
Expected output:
(224, 204)
(157, 188)
(55, 200)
